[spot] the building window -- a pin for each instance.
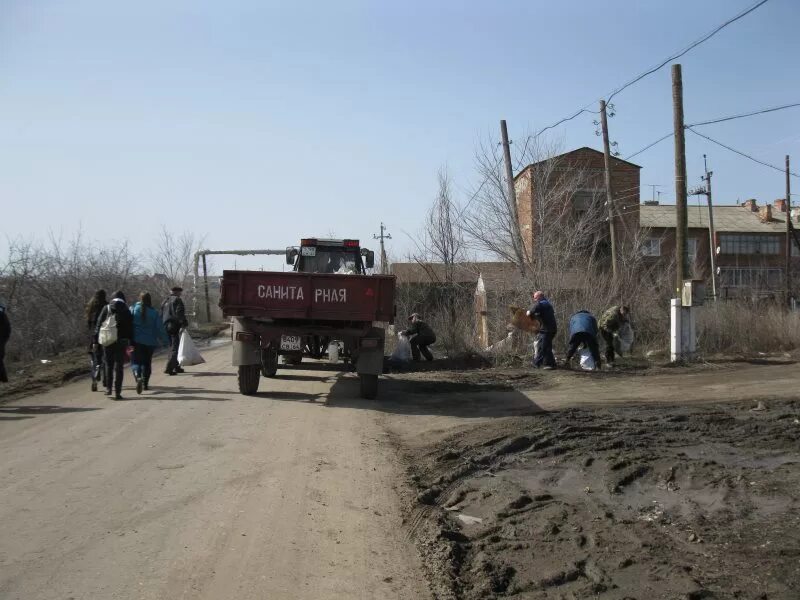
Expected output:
(749, 244)
(584, 201)
(751, 277)
(651, 247)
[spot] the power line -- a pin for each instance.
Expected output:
(659, 140)
(743, 115)
(740, 153)
(641, 76)
(688, 48)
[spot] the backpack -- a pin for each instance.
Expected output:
(108, 330)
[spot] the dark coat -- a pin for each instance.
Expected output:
(543, 312)
(422, 329)
(5, 326)
(124, 319)
(583, 322)
(173, 314)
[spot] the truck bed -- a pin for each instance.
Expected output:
(312, 296)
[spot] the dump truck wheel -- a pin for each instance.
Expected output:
(369, 386)
(248, 379)
(269, 362)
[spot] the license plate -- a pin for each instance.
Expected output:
(291, 342)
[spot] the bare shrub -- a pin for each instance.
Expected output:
(746, 328)
(444, 301)
(46, 286)
(173, 257)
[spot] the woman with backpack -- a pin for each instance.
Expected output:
(92, 311)
(148, 331)
(115, 334)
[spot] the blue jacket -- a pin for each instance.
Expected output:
(148, 331)
(544, 313)
(582, 322)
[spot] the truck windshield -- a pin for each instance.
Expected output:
(331, 261)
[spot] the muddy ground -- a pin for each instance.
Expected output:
(609, 501)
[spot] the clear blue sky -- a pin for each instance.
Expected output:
(260, 122)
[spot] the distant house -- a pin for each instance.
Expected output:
(575, 181)
(751, 242)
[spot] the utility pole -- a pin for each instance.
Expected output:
(512, 197)
(609, 198)
(682, 225)
(383, 236)
(788, 234)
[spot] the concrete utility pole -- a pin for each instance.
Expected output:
(788, 234)
(682, 225)
(609, 197)
(512, 197)
(711, 233)
(381, 237)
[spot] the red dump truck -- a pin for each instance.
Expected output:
(327, 296)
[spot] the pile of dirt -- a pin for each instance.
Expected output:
(36, 376)
(628, 502)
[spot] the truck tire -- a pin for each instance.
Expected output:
(248, 379)
(369, 386)
(269, 362)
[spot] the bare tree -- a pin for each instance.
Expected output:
(174, 256)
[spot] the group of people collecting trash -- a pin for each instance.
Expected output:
(114, 327)
(584, 330)
(584, 333)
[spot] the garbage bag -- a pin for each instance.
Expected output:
(402, 351)
(188, 354)
(586, 359)
(623, 339)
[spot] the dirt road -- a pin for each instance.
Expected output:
(194, 491)
(659, 484)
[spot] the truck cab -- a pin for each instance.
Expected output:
(342, 257)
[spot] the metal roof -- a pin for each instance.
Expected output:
(726, 218)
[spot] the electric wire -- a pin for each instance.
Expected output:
(690, 47)
(740, 153)
(743, 115)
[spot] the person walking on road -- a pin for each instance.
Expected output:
(610, 323)
(5, 334)
(543, 312)
(114, 353)
(149, 332)
(93, 309)
(173, 316)
(583, 332)
(421, 335)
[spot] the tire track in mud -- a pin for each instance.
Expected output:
(619, 502)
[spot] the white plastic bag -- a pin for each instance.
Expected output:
(108, 330)
(586, 359)
(402, 351)
(188, 354)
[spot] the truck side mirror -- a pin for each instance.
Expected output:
(291, 254)
(370, 259)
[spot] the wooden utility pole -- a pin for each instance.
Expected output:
(381, 237)
(205, 284)
(609, 198)
(682, 225)
(788, 234)
(711, 233)
(512, 197)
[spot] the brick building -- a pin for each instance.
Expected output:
(751, 242)
(577, 178)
